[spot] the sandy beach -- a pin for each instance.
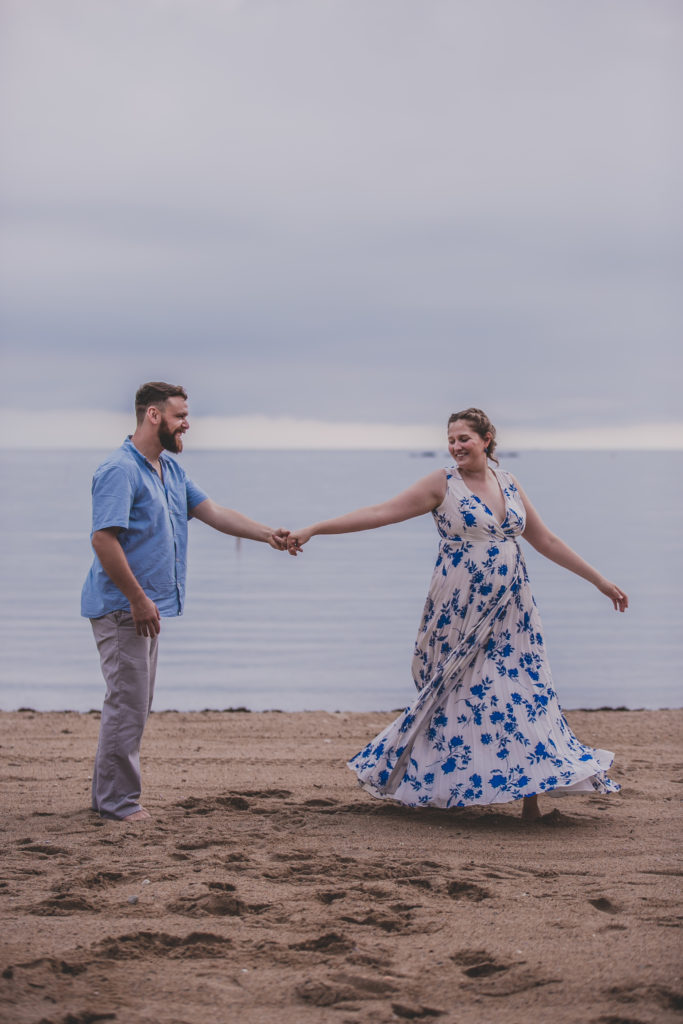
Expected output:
(269, 888)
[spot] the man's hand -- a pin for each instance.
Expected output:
(146, 616)
(278, 539)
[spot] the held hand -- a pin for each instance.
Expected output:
(297, 539)
(278, 539)
(618, 598)
(146, 617)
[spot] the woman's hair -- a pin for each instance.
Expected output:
(481, 424)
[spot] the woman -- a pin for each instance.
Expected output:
(486, 726)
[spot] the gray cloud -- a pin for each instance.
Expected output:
(345, 210)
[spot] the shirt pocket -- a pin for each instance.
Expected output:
(177, 505)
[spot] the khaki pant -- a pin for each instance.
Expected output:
(129, 665)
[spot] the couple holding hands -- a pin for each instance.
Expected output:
(485, 726)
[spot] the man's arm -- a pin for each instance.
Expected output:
(227, 520)
(114, 562)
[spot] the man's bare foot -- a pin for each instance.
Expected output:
(137, 815)
(530, 809)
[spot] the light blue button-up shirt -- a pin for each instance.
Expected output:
(152, 515)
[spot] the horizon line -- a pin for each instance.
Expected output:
(422, 453)
(96, 430)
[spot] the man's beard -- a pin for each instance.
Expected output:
(169, 442)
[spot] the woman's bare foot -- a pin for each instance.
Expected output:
(530, 809)
(137, 815)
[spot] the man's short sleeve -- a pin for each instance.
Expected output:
(112, 497)
(195, 495)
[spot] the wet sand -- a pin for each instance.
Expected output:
(269, 888)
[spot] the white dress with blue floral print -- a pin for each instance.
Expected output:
(486, 726)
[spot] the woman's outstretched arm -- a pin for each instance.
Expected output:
(422, 497)
(552, 547)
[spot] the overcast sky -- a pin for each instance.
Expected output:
(343, 211)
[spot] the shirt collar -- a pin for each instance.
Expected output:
(130, 447)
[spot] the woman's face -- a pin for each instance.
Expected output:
(467, 448)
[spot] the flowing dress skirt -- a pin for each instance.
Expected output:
(486, 726)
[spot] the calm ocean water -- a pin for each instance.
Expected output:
(334, 628)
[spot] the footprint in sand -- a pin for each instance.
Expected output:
(409, 1011)
(134, 946)
(214, 904)
(101, 879)
(62, 904)
(605, 905)
(495, 978)
(467, 891)
(649, 994)
(194, 844)
(330, 942)
(616, 1019)
(271, 794)
(295, 855)
(379, 919)
(485, 969)
(84, 1017)
(341, 988)
(330, 896)
(197, 805)
(237, 803)
(417, 883)
(220, 901)
(468, 957)
(195, 946)
(43, 849)
(193, 805)
(44, 964)
(477, 963)
(360, 987)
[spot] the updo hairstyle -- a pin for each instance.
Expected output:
(481, 424)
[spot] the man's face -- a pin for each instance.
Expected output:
(173, 424)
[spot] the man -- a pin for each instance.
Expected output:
(142, 500)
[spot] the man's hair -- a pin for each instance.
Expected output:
(155, 392)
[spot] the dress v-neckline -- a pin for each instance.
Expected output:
(481, 500)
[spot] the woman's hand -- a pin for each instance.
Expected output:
(297, 539)
(618, 598)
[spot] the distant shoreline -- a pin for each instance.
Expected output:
(312, 711)
(417, 451)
